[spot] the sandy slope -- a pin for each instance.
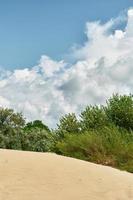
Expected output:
(45, 176)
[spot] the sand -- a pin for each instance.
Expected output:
(47, 176)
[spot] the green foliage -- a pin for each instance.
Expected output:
(37, 137)
(37, 140)
(93, 117)
(11, 124)
(36, 124)
(108, 147)
(119, 110)
(11, 119)
(68, 124)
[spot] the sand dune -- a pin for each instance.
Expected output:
(46, 176)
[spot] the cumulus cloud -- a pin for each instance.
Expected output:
(49, 67)
(103, 65)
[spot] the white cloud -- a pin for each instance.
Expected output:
(49, 67)
(4, 102)
(130, 12)
(104, 65)
(24, 75)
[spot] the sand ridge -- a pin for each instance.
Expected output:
(47, 176)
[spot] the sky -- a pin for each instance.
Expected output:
(56, 57)
(31, 28)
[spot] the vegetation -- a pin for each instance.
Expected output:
(37, 139)
(103, 134)
(108, 146)
(11, 125)
(93, 117)
(68, 124)
(119, 110)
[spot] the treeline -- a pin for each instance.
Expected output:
(103, 134)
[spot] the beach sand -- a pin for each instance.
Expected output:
(46, 176)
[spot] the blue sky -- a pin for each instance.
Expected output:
(57, 58)
(31, 28)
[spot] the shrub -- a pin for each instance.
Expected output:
(68, 125)
(37, 140)
(108, 147)
(11, 124)
(119, 110)
(93, 117)
(36, 124)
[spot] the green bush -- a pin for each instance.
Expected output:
(93, 117)
(11, 125)
(37, 140)
(108, 146)
(119, 110)
(36, 124)
(68, 125)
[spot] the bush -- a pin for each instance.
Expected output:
(37, 140)
(68, 125)
(119, 110)
(108, 147)
(36, 124)
(11, 125)
(93, 117)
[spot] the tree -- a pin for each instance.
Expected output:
(119, 110)
(93, 117)
(37, 139)
(68, 124)
(36, 124)
(11, 124)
